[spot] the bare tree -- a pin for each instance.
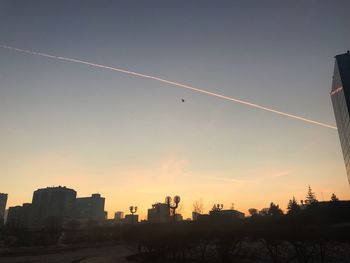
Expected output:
(198, 206)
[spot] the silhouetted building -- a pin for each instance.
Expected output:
(195, 216)
(119, 215)
(345, 204)
(52, 202)
(57, 206)
(14, 216)
(159, 213)
(340, 95)
(90, 207)
(19, 216)
(5, 216)
(131, 219)
(3, 201)
(203, 217)
(178, 217)
(222, 215)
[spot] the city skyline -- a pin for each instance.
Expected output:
(134, 140)
(197, 204)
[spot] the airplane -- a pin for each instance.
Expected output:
(182, 100)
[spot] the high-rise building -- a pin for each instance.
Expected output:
(3, 201)
(52, 202)
(340, 95)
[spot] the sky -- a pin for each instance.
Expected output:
(133, 140)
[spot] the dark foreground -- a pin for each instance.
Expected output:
(317, 234)
(249, 252)
(108, 253)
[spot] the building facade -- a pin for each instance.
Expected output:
(159, 213)
(90, 207)
(178, 217)
(52, 202)
(20, 216)
(340, 95)
(3, 201)
(195, 216)
(228, 213)
(56, 207)
(131, 219)
(119, 215)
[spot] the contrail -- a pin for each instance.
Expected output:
(171, 83)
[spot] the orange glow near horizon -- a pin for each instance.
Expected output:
(146, 186)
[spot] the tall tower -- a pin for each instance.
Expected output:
(3, 201)
(340, 95)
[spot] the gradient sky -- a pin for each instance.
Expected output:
(133, 140)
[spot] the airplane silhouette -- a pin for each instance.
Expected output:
(182, 100)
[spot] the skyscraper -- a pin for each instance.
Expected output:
(3, 201)
(340, 95)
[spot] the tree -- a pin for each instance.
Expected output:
(264, 211)
(198, 206)
(334, 198)
(310, 197)
(293, 206)
(275, 210)
(253, 211)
